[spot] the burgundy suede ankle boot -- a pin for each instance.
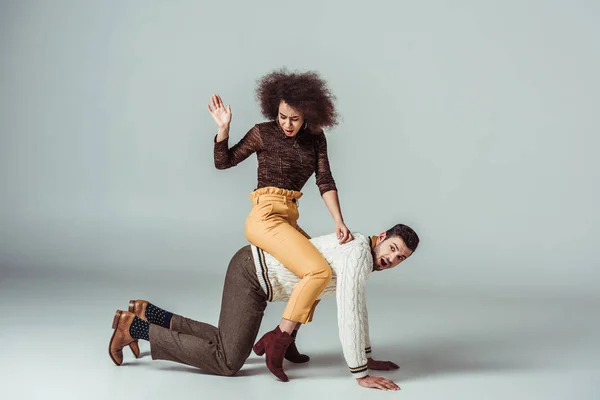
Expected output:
(292, 354)
(275, 344)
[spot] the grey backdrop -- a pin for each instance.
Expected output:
(475, 122)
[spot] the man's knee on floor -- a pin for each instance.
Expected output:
(233, 368)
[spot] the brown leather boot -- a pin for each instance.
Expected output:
(121, 337)
(275, 343)
(138, 307)
(292, 354)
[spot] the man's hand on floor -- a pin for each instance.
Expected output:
(377, 382)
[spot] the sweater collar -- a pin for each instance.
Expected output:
(373, 242)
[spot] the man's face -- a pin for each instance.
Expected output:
(389, 252)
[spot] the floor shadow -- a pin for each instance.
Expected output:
(434, 356)
(255, 361)
(193, 370)
(320, 360)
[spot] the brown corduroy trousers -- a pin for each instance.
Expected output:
(219, 350)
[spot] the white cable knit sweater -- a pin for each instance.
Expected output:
(351, 264)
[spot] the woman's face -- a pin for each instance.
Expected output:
(290, 119)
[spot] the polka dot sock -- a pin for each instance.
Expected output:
(139, 329)
(158, 316)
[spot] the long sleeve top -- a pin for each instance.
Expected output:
(283, 162)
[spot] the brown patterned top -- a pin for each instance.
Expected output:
(283, 162)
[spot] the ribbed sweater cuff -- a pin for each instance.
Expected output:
(359, 372)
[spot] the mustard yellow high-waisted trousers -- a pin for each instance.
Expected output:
(272, 226)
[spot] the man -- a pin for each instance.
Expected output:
(254, 278)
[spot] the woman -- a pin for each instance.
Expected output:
(290, 148)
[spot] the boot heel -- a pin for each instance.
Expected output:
(131, 306)
(135, 349)
(259, 348)
(116, 319)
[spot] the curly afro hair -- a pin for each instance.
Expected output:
(304, 91)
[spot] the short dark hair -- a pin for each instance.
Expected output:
(307, 92)
(406, 233)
